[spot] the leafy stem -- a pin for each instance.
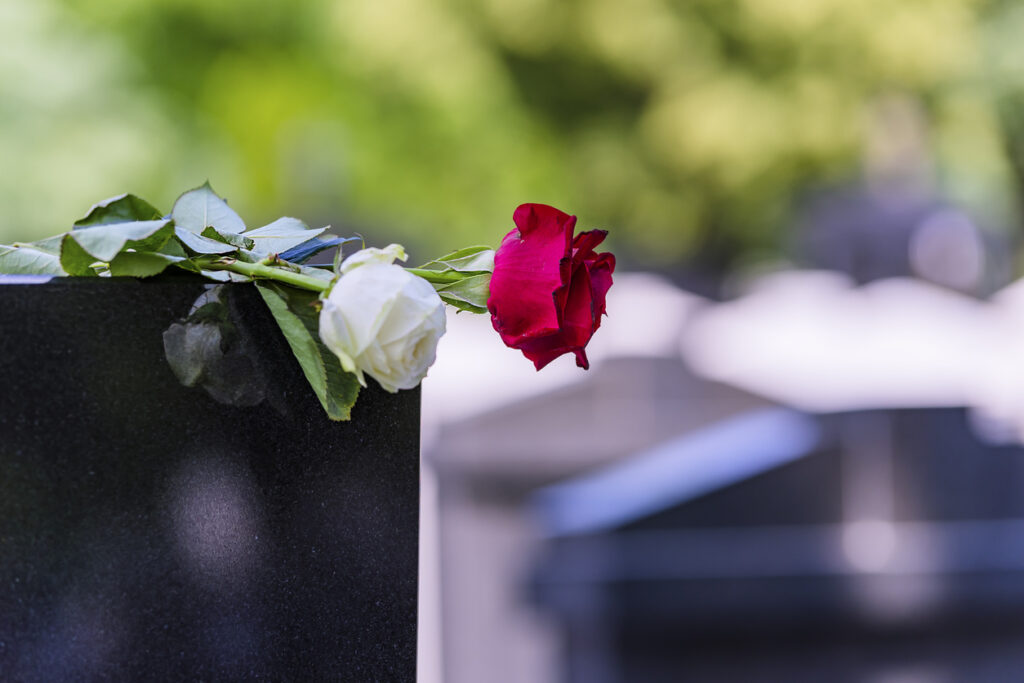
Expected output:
(126, 236)
(268, 272)
(281, 271)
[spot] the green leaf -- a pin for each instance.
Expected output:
(82, 248)
(38, 258)
(282, 235)
(325, 274)
(106, 241)
(74, 259)
(299, 322)
(201, 207)
(173, 248)
(477, 259)
(225, 276)
(248, 256)
(201, 245)
(141, 263)
(468, 294)
(124, 208)
(227, 238)
(463, 305)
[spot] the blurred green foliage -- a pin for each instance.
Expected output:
(681, 125)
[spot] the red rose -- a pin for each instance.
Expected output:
(548, 289)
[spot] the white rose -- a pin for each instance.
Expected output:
(382, 320)
(373, 255)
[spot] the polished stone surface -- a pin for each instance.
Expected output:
(224, 530)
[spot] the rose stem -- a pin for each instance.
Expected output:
(260, 270)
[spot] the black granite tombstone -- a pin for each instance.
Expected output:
(225, 530)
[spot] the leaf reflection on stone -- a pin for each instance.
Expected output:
(208, 350)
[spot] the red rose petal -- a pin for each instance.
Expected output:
(577, 326)
(540, 353)
(525, 299)
(601, 281)
(578, 318)
(548, 289)
(583, 245)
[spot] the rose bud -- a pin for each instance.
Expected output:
(548, 288)
(381, 320)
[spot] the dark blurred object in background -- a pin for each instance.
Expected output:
(875, 546)
(895, 221)
(489, 466)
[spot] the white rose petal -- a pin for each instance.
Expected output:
(388, 254)
(381, 320)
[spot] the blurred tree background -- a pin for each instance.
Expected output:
(688, 127)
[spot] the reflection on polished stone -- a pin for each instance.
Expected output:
(212, 348)
(215, 510)
(155, 531)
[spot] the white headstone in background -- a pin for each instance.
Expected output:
(814, 341)
(475, 372)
